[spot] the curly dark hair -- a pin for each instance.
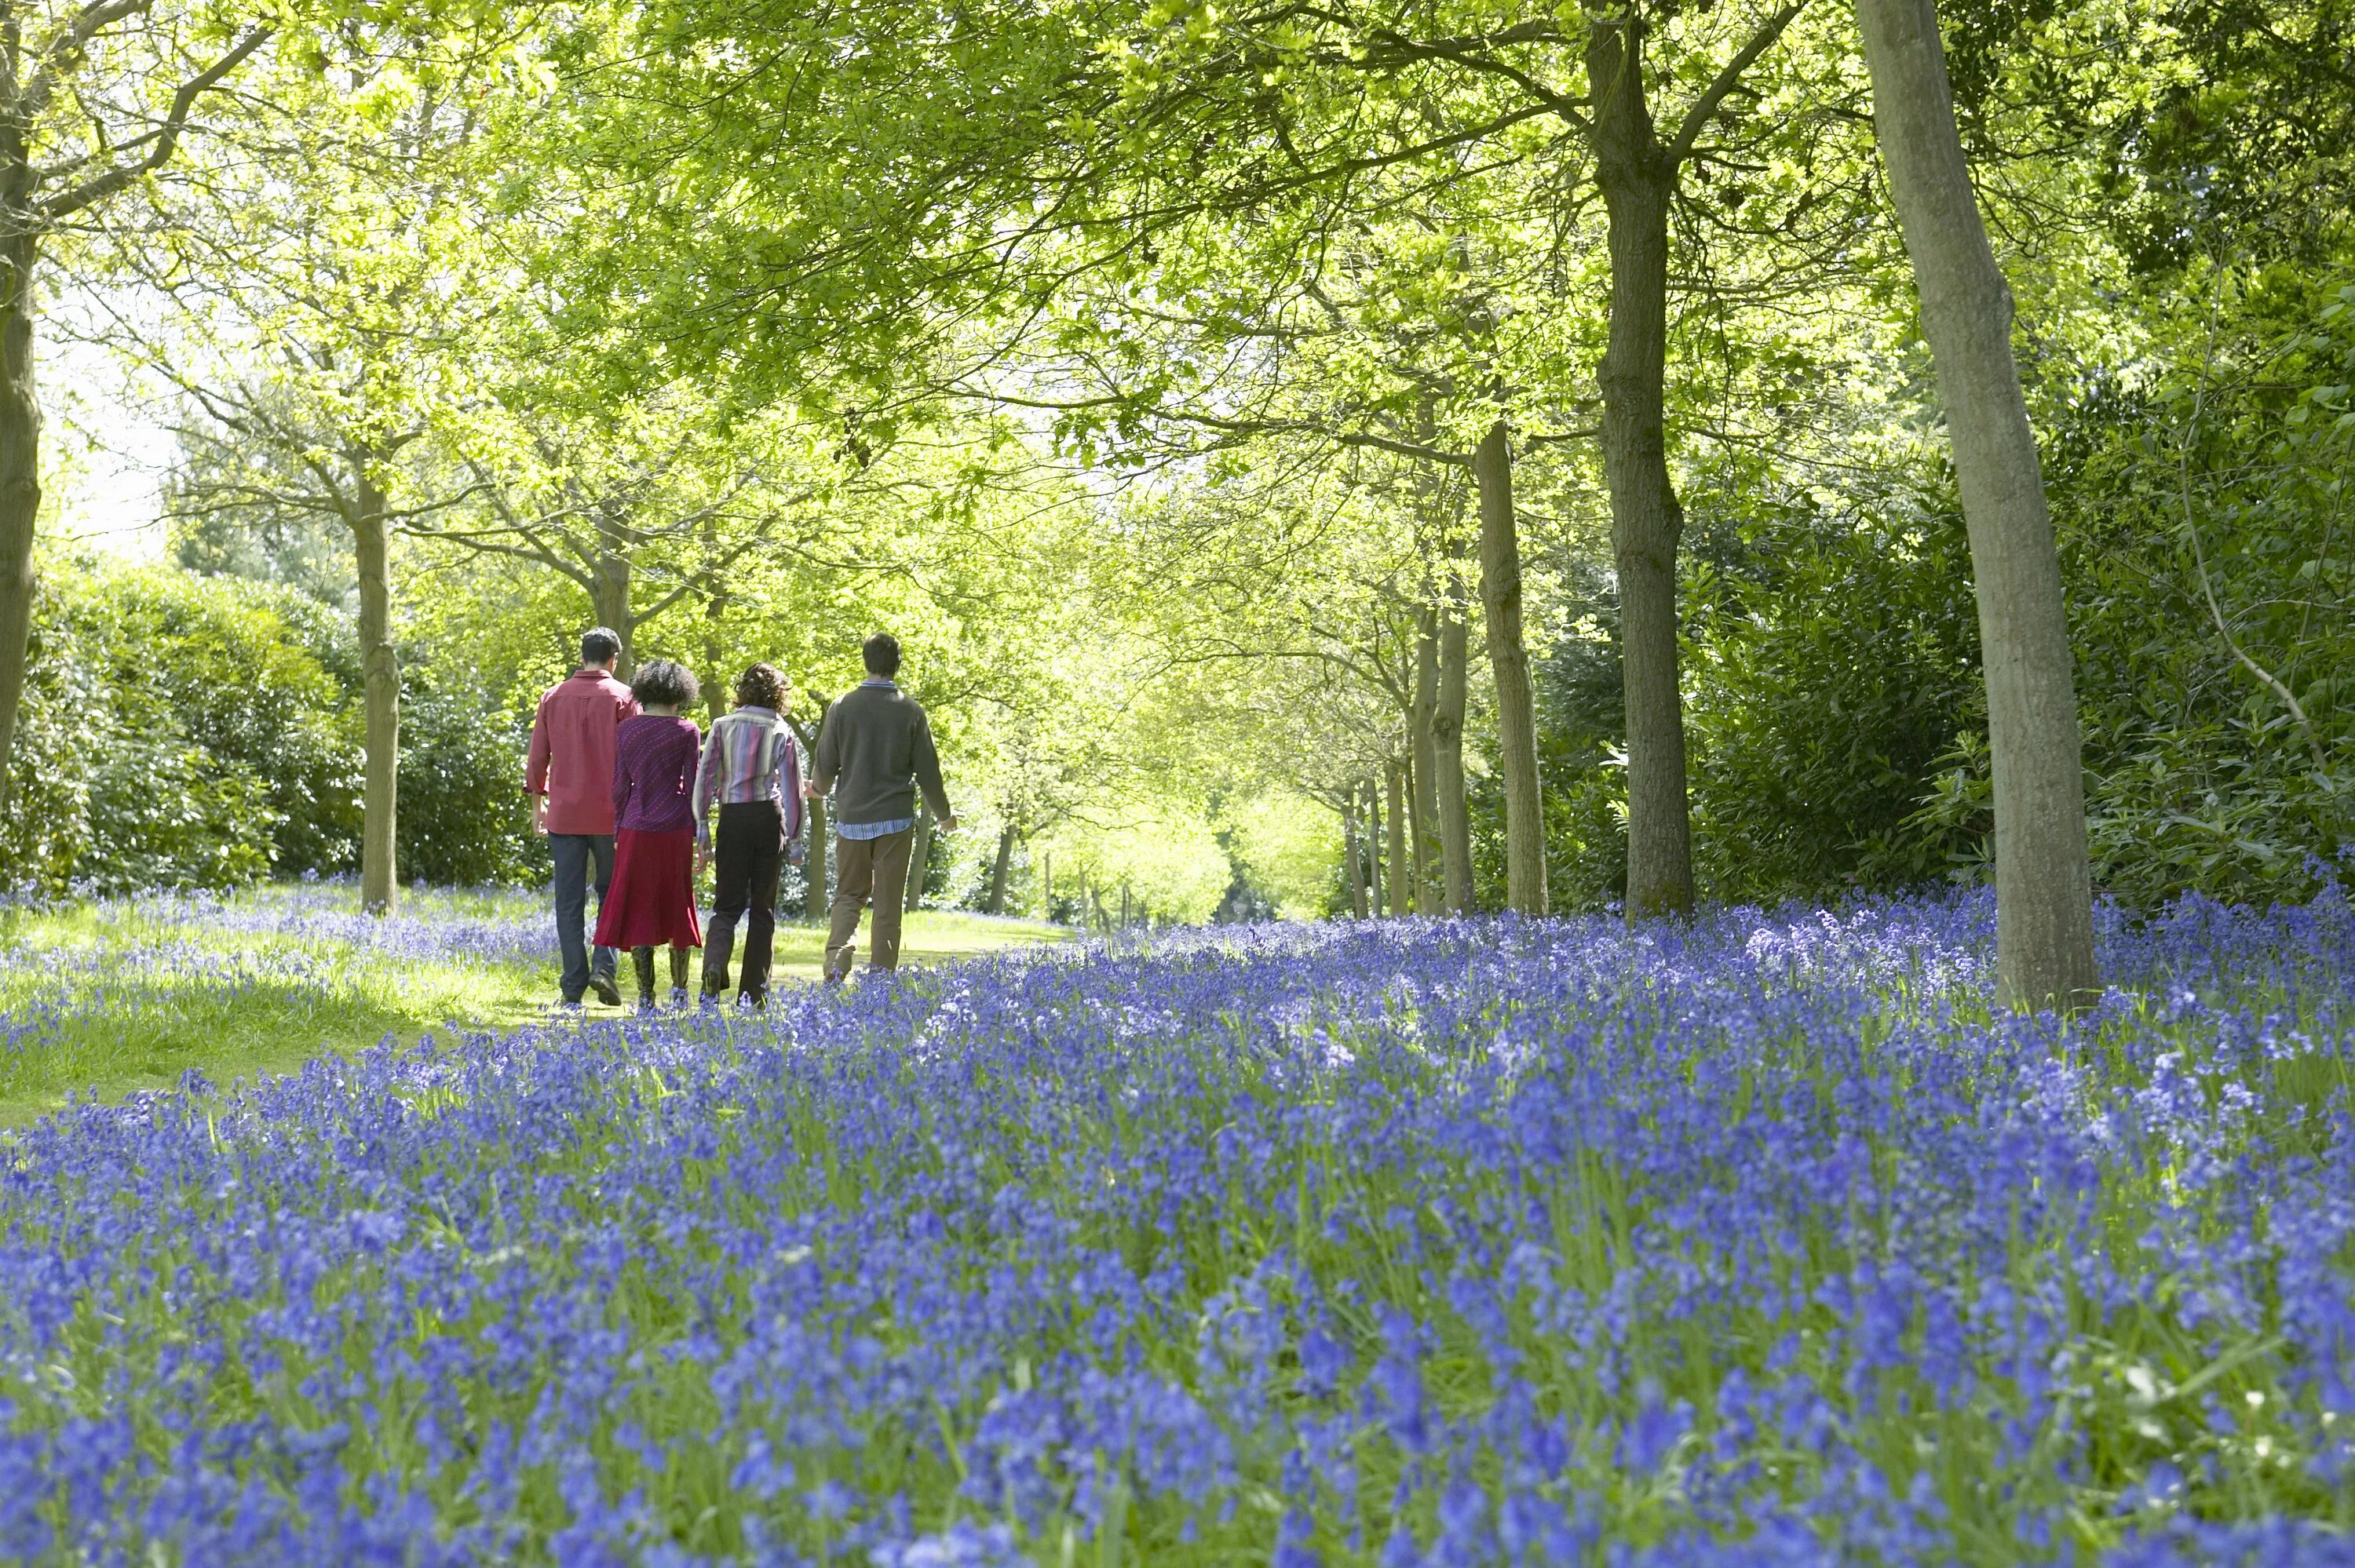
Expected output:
(761, 687)
(661, 683)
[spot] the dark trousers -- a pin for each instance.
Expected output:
(863, 867)
(747, 853)
(578, 855)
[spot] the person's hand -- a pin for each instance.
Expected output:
(948, 824)
(810, 792)
(539, 815)
(702, 857)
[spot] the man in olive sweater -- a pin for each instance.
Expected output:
(874, 751)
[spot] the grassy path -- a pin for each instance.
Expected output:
(113, 998)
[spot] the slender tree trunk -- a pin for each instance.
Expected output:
(610, 592)
(1637, 179)
(1509, 657)
(1427, 885)
(1354, 868)
(21, 484)
(719, 686)
(1447, 748)
(817, 895)
(380, 698)
(1001, 870)
(1395, 776)
(1374, 847)
(920, 859)
(2044, 930)
(813, 878)
(1047, 882)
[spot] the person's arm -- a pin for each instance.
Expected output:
(825, 757)
(534, 769)
(688, 757)
(621, 782)
(788, 765)
(928, 775)
(707, 784)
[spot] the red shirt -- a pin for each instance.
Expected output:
(571, 757)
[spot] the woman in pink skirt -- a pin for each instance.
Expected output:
(652, 901)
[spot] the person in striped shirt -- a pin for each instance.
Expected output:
(751, 772)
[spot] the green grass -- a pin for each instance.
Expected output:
(109, 998)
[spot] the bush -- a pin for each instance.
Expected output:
(463, 818)
(181, 731)
(176, 732)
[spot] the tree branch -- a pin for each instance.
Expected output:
(1698, 117)
(167, 139)
(93, 19)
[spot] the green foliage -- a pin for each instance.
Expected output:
(1287, 848)
(464, 819)
(185, 731)
(1812, 733)
(2228, 478)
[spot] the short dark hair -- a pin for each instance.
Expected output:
(761, 687)
(883, 654)
(661, 682)
(600, 646)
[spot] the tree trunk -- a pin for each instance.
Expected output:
(380, 674)
(920, 859)
(609, 595)
(1637, 179)
(1352, 867)
(1395, 774)
(1427, 899)
(1047, 881)
(816, 897)
(1447, 749)
(718, 689)
(21, 484)
(2044, 930)
(1509, 657)
(1373, 847)
(1001, 870)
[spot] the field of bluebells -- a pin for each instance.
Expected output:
(135, 993)
(1413, 1243)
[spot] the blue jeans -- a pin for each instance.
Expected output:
(576, 853)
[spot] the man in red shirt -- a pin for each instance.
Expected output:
(570, 773)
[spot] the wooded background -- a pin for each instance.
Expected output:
(1292, 443)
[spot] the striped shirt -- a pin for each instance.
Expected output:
(748, 756)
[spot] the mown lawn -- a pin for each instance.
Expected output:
(113, 998)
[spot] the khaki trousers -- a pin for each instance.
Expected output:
(863, 867)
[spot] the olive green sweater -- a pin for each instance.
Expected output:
(873, 751)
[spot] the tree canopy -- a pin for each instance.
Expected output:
(1394, 454)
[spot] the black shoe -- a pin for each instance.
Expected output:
(607, 992)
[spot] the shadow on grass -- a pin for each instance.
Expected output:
(105, 1007)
